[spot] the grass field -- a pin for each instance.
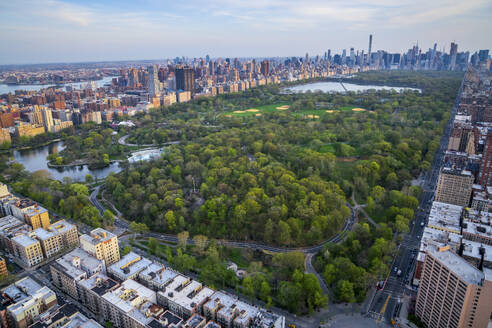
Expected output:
(258, 111)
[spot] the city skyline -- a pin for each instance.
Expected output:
(76, 31)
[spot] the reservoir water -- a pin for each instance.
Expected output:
(332, 86)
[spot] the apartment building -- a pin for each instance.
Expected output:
(64, 316)
(93, 288)
(131, 305)
(3, 267)
(29, 300)
(51, 242)
(453, 293)
(454, 186)
(128, 267)
(155, 276)
(102, 244)
(33, 214)
(10, 227)
(4, 190)
(184, 296)
(67, 231)
(27, 249)
(73, 267)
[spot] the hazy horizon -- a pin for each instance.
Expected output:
(71, 31)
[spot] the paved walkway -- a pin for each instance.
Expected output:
(360, 208)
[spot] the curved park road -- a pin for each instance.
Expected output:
(275, 249)
(122, 141)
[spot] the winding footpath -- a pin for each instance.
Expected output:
(122, 141)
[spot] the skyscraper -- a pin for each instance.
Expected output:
(344, 56)
(453, 52)
(370, 49)
(211, 67)
(352, 57)
(265, 67)
(154, 84)
(185, 79)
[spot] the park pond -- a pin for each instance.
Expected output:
(35, 159)
(336, 86)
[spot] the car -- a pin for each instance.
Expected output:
(395, 269)
(422, 223)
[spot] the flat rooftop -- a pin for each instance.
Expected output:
(79, 263)
(459, 266)
(24, 240)
(99, 283)
(44, 234)
(97, 236)
(445, 217)
(129, 265)
(157, 274)
(62, 226)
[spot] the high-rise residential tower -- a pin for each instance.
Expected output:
(154, 84)
(185, 79)
(370, 49)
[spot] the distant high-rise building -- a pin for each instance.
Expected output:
(453, 52)
(344, 57)
(185, 79)
(207, 58)
(370, 49)
(211, 67)
(453, 293)
(483, 55)
(352, 56)
(47, 119)
(265, 67)
(154, 84)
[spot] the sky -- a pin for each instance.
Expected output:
(43, 31)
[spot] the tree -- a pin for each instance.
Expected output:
(200, 242)
(283, 233)
(171, 220)
(183, 239)
(345, 291)
(265, 291)
(127, 249)
(79, 189)
(152, 245)
(248, 287)
(138, 228)
(108, 218)
(89, 179)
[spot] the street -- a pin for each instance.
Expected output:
(397, 288)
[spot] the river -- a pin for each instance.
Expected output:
(6, 88)
(35, 159)
(332, 86)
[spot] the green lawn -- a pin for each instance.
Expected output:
(273, 109)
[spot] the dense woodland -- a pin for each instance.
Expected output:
(280, 178)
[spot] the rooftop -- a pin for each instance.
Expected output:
(131, 264)
(459, 266)
(133, 299)
(24, 240)
(157, 274)
(99, 283)
(80, 264)
(10, 225)
(187, 294)
(445, 217)
(97, 236)
(61, 226)
(44, 234)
